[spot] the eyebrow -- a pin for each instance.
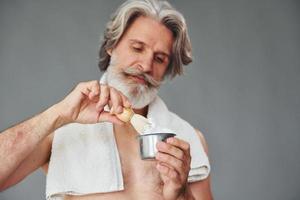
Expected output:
(144, 44)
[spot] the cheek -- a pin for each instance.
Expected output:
(126, 58)
(159, 72)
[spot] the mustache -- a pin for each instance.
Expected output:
(133, 71)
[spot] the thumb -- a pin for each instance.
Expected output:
(108, 117)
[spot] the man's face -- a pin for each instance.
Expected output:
(140, 59)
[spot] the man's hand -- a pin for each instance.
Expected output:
(174, 165)
(85, 104)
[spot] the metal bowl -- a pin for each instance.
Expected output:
(148, 142)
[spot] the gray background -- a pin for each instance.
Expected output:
(242, 90)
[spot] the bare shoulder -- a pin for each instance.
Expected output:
(203, 141)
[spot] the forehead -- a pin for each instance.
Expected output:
(151, 32)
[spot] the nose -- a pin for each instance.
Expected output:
(146, 63)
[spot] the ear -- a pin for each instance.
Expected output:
(109, 51)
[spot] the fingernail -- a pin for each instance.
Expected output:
(169, 140)
(111, 111)
(99, 107)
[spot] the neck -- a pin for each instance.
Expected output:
(142, 111)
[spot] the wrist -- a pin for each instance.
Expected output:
(55, 117)
(46, 122)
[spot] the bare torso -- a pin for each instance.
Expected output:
(141, 179)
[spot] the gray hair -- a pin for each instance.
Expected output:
(158, 10)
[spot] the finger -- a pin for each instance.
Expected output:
(167, 171)
(116, 101)
(107, 117)
(94, 91)
(82, 88)
(170, 149)
(177, 164)
(104, 96)
(185, 146)
(87, 87)
(94, 97)
(110, 107)
(126, 102)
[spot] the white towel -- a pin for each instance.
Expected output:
(85, 158)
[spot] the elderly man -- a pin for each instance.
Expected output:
(93, 154)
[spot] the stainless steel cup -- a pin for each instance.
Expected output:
(148, 144)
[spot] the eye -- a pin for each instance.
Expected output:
(137, 48)
(159, 59)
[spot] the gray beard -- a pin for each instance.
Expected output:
(139, 95)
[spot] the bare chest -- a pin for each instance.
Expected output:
(139, 175)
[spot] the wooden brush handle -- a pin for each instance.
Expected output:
(126, 115)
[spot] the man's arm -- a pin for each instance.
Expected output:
(19, 142)
(201, 190)
(25, 147)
